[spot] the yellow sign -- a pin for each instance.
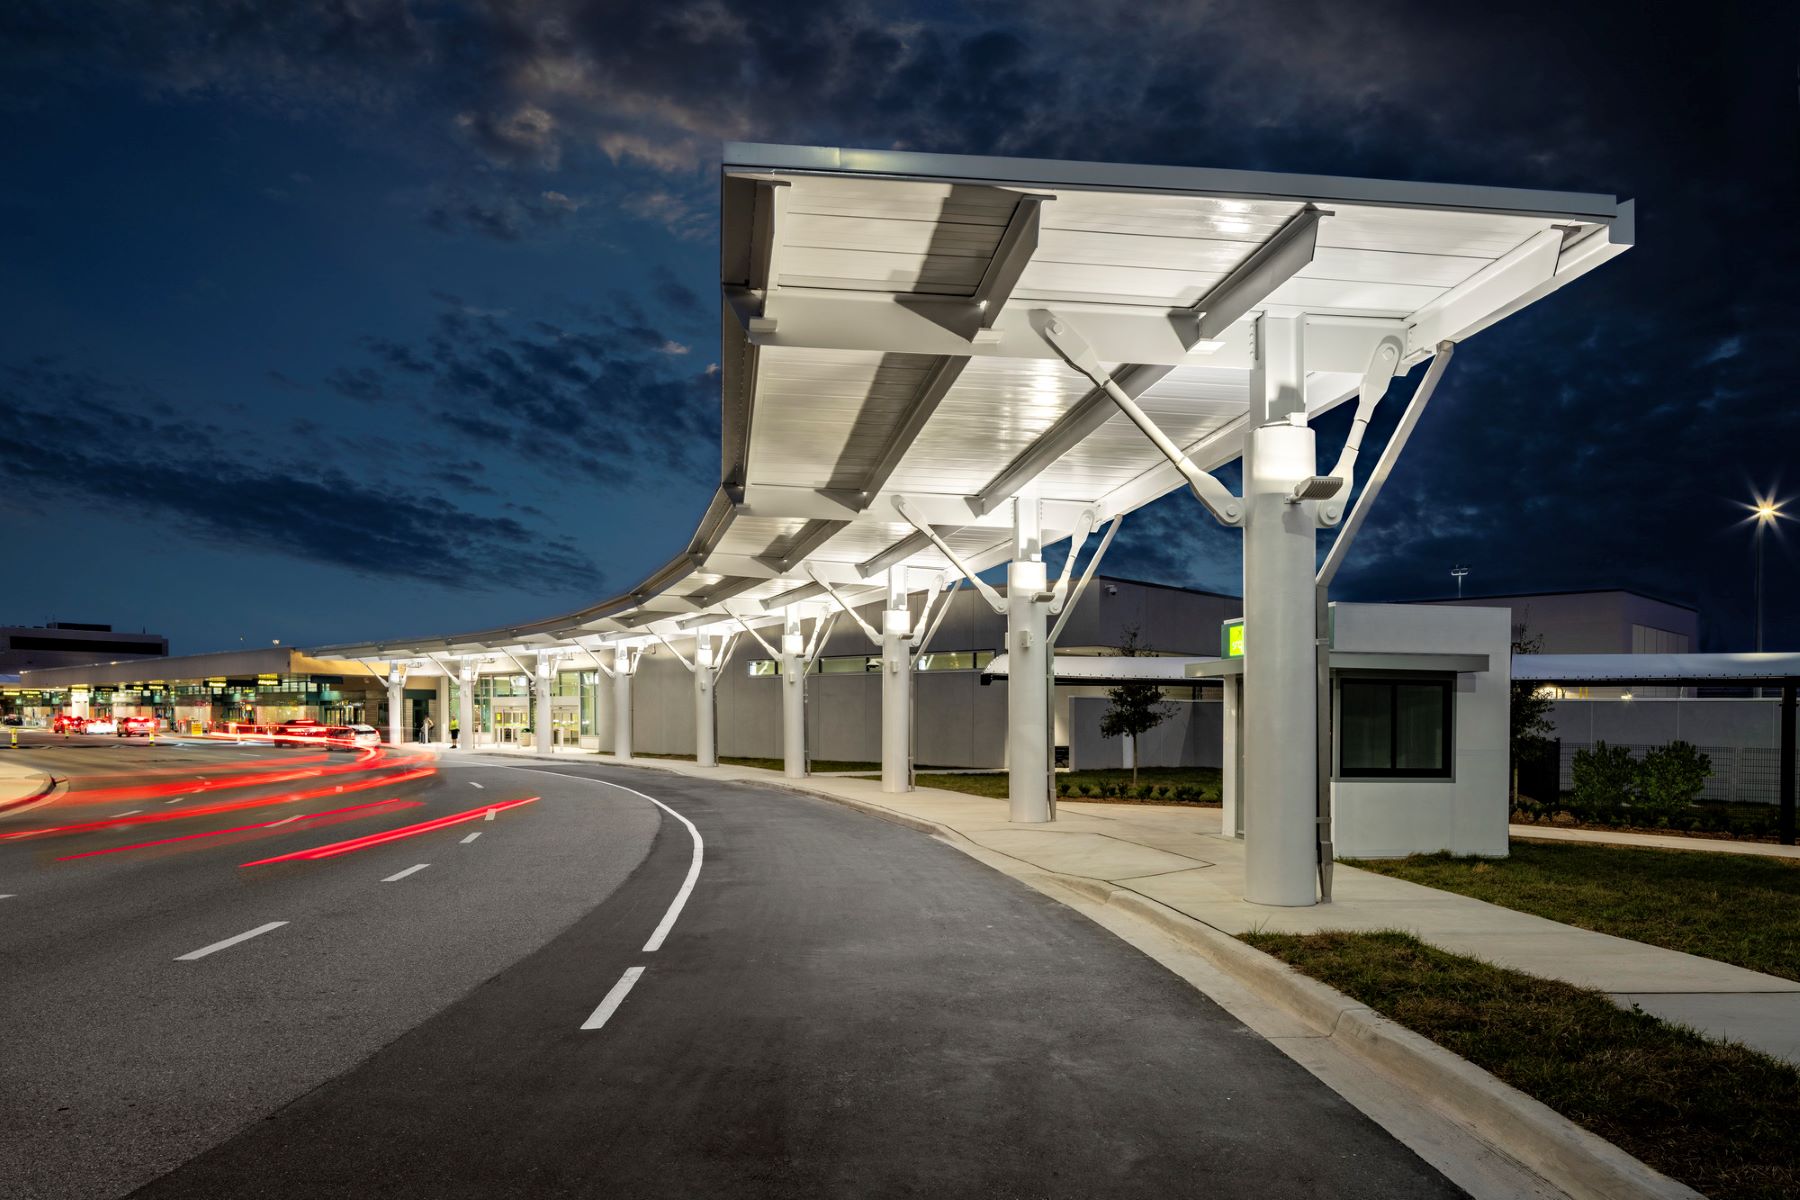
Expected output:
(1233, 639)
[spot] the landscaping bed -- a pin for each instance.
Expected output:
(1156, 785)
(774, 764)
(1717, 1116)
(1735, 908)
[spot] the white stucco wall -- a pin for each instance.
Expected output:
(1466, 813)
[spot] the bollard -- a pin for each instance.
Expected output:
(15, 738)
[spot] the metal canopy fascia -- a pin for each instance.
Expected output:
(764, 536)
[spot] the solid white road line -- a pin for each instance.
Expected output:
(229, 942)
(614, 998)
(472, 783)
(130, 812)
(399, 875)
(693, 875)
(471, 837)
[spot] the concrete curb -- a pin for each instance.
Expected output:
(50, 783)
(1562, 1153)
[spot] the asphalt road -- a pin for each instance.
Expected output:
(841, 1007)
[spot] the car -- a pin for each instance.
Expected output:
(305, 732)
(352, 737)
(137, 726)
(99, 725)
(67, 723)
(12, 719)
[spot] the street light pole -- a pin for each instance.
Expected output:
(1766, 511)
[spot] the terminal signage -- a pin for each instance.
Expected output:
(1231, 638)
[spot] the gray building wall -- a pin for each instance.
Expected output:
(1592, 622)
(1191, 737)
(958, 722)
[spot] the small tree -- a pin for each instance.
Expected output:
(1530, 712)
(1672, 777)
(1137, 707)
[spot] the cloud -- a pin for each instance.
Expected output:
(82, 436)
(599, 398)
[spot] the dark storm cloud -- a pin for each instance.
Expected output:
(603, 400)
(77, 436)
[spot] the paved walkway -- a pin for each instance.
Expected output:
(1177, 856)
(1655, 841)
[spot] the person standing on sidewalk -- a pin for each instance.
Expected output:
(425, 726)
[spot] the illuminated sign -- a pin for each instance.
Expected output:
(1231, 638)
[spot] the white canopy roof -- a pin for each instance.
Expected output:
(881, 338)
(1655, 668)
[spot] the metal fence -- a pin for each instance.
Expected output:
(1750, 774)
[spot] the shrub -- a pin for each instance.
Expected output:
(1671, 778)
(1604, 778)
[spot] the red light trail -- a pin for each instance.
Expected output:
(392, 835)
(360, 809)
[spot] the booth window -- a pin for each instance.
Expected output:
(1394, 728)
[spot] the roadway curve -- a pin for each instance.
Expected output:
(842, 1007)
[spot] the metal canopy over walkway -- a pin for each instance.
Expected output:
(934, 365)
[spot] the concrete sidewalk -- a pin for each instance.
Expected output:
(1653, 841)
(1177, 857)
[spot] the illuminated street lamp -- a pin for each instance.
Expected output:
(1765, 512)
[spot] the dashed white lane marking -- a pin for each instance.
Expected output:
(229, 942)
(472, 836)
(286, 820)
(693, 875)
(130, 812)
(490, 815)
(176, 800)
(472, 783)
(614, 998)
(7, 895)
(397, 876)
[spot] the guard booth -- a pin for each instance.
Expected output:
(1419, 728)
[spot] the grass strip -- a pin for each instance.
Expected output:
(1717, 1116)
(775, 764)
(1736, 908)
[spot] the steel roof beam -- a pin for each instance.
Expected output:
(815, 534)
(1071, 429)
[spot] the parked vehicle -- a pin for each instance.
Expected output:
(137, 726)
(352, 737)
(299, 733)
(12, 719)
(67, 723)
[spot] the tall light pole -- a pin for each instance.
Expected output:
(1766, 512)
(1460, 572)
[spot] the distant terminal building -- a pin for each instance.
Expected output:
(72, 644)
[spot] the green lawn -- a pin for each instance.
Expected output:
(1205, 780)
(1736, 908)
(1718, 1117)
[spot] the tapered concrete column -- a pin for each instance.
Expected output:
(623, 665)
(793, 695)
(896, 687)
(396, 690)
(543, 732)
(1280, 785)
(1027, 680)
(441, 718)
(465, 707)
(706, 716)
